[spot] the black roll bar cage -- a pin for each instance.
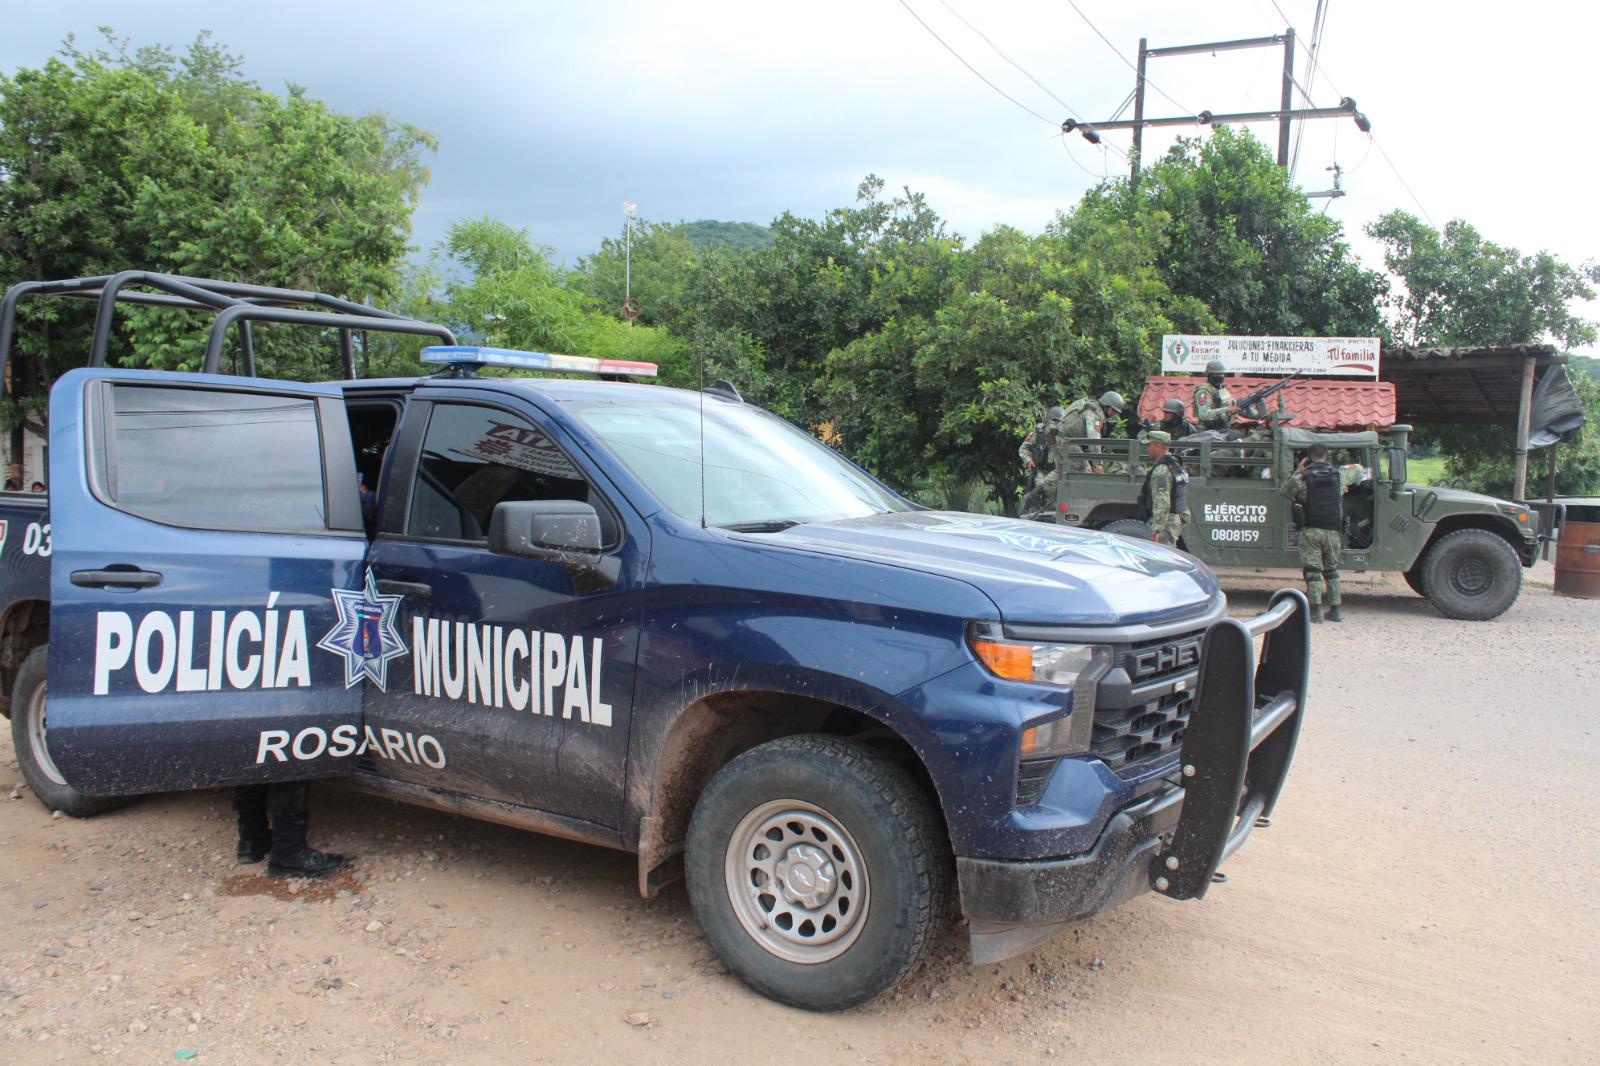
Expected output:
(231, 301)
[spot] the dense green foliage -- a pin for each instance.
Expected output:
(143, 157)
(1459, 289)
(921, 353)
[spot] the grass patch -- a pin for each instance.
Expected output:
(1425, 471)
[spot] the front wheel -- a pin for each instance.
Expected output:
(30, 738)
(1471, 574)
(818, 870)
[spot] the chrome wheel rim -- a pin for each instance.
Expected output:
(37, 729)
(797, 882)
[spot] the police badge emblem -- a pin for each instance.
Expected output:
(365, 636)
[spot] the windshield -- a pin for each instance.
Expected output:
(760, 472)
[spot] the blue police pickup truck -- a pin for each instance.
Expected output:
(656, 620)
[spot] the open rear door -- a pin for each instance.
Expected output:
(208, 620)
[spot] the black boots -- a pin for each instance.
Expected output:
(304, 862)
(1316, 612)
(272, 824)
(1334, 614)
(291, 855)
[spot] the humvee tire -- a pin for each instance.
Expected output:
(33, 756)
(1129, 527)
(1414, 579)
(1471, 574)
(818, 870)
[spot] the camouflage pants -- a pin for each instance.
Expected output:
(1169, 531)
(1319, 558)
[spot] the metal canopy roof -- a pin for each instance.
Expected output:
(1480, 385)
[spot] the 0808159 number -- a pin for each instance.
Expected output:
(1236, 536)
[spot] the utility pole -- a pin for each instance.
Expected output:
(1285, 115)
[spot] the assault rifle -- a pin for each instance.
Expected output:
(1265, 393)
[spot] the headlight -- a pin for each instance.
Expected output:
(1078, 667)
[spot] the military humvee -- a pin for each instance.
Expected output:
(1458, 549)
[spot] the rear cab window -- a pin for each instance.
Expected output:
(222, 459)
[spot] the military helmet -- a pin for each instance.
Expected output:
(1159, 436)
(1216, 366)
(1055, 414)
(1112, 400)
(1173, 407)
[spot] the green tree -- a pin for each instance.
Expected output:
(1460, 289)
(805, 295)
(1240, 237)
(663, 261)
(122, 157)
(507, 293)
(976, 341)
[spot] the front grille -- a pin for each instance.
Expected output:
(1128, 738)
(1032, 776)
(1132, 731)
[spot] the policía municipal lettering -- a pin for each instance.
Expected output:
(548, 674)
(243, 649)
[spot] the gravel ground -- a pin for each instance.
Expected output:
(1427, 893)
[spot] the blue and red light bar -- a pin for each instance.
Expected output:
(475, 355)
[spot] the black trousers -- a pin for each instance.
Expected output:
(279, 812)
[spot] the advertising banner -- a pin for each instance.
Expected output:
(1311, 356)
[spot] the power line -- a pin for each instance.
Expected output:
(1076, 161)
(1319, 21)
(1069, 108)
(974, 69)
(1406, 184)
(1372, 138)
(1125, 61)
(1025, 72)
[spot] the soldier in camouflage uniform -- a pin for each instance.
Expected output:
(1317, 492)
(1172, 422)
(1085, 418)
(1164, 501)
(1037, 462)
(1214, 407)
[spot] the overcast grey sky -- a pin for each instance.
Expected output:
(549, 116)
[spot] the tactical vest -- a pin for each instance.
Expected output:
(1180, 489)
(1323, 496)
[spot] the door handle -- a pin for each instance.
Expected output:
(102, 579)
(405, 588)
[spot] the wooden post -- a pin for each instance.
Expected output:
(1519, 488)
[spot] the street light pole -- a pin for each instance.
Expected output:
(628, 310)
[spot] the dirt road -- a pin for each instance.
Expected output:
(1429, 892)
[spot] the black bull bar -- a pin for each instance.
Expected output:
(1239, 742)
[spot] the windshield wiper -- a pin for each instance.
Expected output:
(774, 525)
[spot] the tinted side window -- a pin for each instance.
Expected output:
(215, 460)
(476, 457)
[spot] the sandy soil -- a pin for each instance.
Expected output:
(1428, 893)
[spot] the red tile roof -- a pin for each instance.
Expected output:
(1318, 403)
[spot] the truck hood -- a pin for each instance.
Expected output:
(1460, 496)
(1034, 572)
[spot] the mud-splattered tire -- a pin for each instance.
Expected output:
(818, 870)
(1471, 574)
(29, 737)
(1129, 527)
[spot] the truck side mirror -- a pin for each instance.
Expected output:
(555, 530)
(1397, 465)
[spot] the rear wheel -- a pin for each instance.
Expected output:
(1129, 527)
(30, 737)
(818, 870)
(1471, 574)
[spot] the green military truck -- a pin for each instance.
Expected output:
(1458, 549)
